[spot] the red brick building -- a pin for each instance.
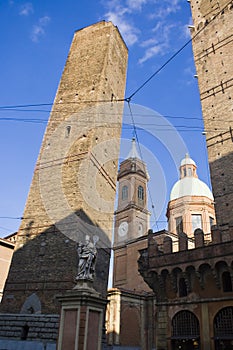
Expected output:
(193, 287)
(6, 252)
(140, 311)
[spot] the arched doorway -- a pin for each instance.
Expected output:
(223, 329)
(185, 331)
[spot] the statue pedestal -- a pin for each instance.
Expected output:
(82, 316)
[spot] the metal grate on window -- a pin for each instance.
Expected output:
(185, 325)
(223, 323)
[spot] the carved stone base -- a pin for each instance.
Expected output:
(82, 317)
(85, 285)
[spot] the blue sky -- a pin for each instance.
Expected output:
(35, 39)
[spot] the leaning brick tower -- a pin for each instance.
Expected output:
(73, 187)
(213, 47)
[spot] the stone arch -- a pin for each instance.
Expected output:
(223, 328)
(164, 275)
(32, 305)
(182, 287)
(176, 274)
(204, 271)
(221, 265)
(223, 272)
(185, 330)
(204, 267)
(226, 281)
(191, 274)
(164, 281)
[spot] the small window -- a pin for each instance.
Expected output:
(179, 225)
(185, 172)
(140, 193)
(226, 281)
(190, 173)
(196, 221)
(211, 222)
(68, 130)
(182, 288)
(124, 194)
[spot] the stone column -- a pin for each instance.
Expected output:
(161, 329)
(206, 331)
(82, 315)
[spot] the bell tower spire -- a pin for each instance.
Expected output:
(131, 216)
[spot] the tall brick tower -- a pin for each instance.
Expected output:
(131, 220)
(73, 188)
(128, 316)
(213, 47)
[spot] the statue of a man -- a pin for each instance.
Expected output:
(87, 257)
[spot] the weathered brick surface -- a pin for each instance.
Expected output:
(41, 327)
(65, 199)
(202, 270)
(213, 48)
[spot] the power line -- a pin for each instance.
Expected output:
(129, 98)
(11, 217)
(51, 103)
(99, 113)
(159, 127)
(136, 137)
(5, 228)
(176, 53)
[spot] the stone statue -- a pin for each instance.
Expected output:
(87, 258)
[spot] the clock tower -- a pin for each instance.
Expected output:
(131, 219)
(131, 216)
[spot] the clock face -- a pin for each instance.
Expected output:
(123, 229)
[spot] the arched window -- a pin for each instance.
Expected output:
(226, 281)
(182, 288)
(68, 129)
(140, 193)
(196, 221)
(124, 194)
(185, 325)
(223, 328)
(190, 173)
(179, 224)
(32, 305)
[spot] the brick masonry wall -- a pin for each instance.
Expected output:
(73, 188)
(213, 48)
(41, 327)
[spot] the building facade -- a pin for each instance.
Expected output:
(193, 287)
(131, 221)
(138, 309)
(6, 252)
(193, 291)
(127, 312)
